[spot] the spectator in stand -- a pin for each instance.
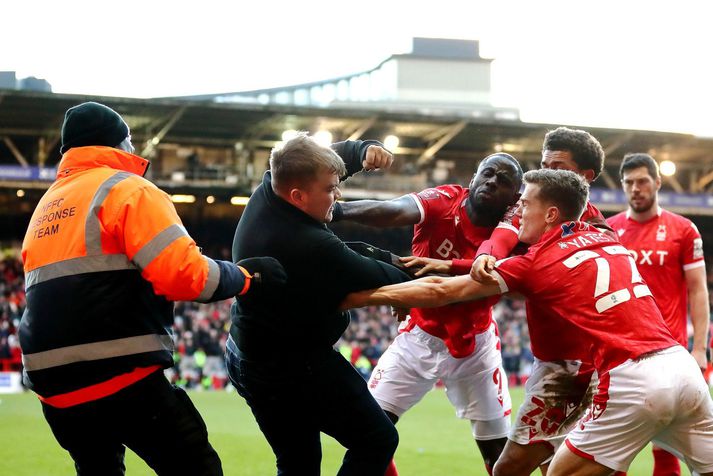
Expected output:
(510, 315)
(200, 326)
(5, 353)
(511, 352)
(363, 366)
(374, 327)
(12, 305)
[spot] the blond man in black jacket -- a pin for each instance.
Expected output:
(280, 354)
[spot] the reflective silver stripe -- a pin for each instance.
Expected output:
(211, 284)
(92, 228)
(160, 242)
(97, 351)
(81, 265)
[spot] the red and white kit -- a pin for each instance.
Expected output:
(649, 386)
(458, 343)
(563, 380)
(663, 248)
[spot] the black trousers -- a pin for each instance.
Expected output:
(152, 417)
(294, 400)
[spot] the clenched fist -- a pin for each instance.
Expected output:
(377, 158)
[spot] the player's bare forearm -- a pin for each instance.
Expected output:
(401, 211)
(701, 323)
(700, 312)
(697, 286)
(425, 292)
(412, 294)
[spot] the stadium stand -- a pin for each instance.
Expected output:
(201, 330)
(12, 304)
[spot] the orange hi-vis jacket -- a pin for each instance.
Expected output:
(105, 255)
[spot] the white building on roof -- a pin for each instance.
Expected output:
(440, 76)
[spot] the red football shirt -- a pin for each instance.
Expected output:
(545, 341)
(580, 276)
(664, 247)
(446, 232)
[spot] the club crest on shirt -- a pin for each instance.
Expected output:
(661, 233)
(432, 194)
(568, 229)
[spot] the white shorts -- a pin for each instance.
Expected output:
(660, 397)
(557, 394)
(476, 385)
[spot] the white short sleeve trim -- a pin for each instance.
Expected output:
(501, 282)
(695, 265)
(420, 207)
(508, 226)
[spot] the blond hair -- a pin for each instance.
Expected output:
(299, 161)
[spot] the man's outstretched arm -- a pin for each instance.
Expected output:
(402, 211)
(424, 292)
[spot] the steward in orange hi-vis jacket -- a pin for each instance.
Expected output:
(105, 255)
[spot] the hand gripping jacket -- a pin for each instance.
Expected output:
(105, 254)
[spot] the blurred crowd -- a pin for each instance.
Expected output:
(12, 304)
(201, 330)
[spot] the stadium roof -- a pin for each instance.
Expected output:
(30, 124)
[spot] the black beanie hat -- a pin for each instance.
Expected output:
(91, 123)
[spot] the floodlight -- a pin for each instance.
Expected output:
(323, 138)
(178, 198)
(391, 142)
(667, 168)
(239, 200)
(289, 134)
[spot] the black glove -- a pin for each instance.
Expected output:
(385, 256)
(265, 271)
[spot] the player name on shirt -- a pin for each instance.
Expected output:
(584, 240)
